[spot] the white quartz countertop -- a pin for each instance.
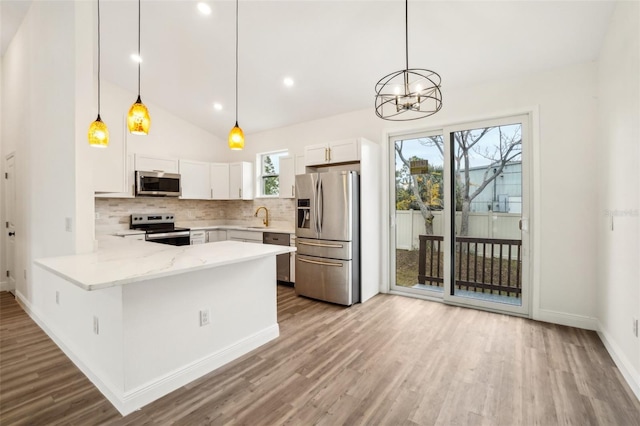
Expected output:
(120, 261)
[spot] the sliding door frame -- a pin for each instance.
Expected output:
(530, 193)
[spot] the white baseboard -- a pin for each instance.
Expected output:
(148, 393)
(622, 362)
(128, 402)
(562, 318)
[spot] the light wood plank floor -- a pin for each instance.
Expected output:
(391, 361)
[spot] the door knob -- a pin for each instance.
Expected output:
(11, 234)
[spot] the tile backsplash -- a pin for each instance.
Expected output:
(112, 214)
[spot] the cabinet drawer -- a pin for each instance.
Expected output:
(245, 235)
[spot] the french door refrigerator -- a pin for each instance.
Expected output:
(328, 236)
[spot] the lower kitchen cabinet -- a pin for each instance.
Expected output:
(216, 235)
(245, 236)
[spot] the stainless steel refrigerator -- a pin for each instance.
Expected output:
(328, 237)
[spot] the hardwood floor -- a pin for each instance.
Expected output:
(391, 361)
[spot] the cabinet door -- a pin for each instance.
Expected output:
(150, 163)
(287, 177)
(110, 164)
(129, 182)
(300, 165)
(220, 181)
(195, 180)
(241, 181)
(216, 235)
(316, 154)
(344, 151)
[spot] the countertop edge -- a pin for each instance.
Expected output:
(274, 250)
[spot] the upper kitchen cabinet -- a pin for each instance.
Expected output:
(241, 181)
(150, 163)
(195, 180)
(287, 177)
(110, 163)
(219, 173)
(343, 151)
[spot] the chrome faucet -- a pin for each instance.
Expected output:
(266, 219)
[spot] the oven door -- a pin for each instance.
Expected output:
(157, 184)
(174, 238)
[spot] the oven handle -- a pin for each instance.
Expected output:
(167, 235)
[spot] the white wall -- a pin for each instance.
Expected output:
(48, 79)
(169, 136)
(565, 276)
(618, 200)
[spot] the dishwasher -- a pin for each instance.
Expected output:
(283, 272)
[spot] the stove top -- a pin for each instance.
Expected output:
(154, 222)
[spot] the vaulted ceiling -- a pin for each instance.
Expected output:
(335, 51)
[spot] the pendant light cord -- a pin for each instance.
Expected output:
(237, 2)
(139, 57)
(406, 32)
(98, 58)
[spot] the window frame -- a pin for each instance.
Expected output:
(261, 175)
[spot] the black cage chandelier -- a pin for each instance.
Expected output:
(409, 94)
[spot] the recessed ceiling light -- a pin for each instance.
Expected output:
(135, 58)
(288, 81)
(217, 106)
(204, 8)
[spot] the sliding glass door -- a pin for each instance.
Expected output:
(460, 203)
(418, 213)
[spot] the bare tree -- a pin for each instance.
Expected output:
(425, 209)
(507, 150)
(467, 142)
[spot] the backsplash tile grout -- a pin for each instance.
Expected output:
(113, 213)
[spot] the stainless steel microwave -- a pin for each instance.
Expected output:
(157, 184)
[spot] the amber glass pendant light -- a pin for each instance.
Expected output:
(138, 119)
(98, 132)
(236, 135)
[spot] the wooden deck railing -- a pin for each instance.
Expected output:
(481, 264)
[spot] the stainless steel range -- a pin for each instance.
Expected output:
(160, 228)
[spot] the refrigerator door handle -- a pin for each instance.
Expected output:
(317, 262)
(320, 206)
(304, 243)
(315, 208)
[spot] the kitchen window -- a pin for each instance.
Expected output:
(269, 173)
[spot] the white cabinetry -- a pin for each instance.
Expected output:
(245, 236)
(343, 151)
(110, 164)
(219, 181)
(140, 237)
(287, 177)
(241, 181)
(216, 235)
(128, 185)
(195, 180)
(149, 163)
(198, 236)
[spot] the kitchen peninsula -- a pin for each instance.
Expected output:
(142, 319)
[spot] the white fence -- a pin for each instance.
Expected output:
(410, 224)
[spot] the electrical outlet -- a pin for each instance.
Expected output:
(68, 224)
(635, 327)
(57, 297)
(205, 317)
(97, 215)
(96, 325)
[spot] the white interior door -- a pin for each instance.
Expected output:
(10, 226)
